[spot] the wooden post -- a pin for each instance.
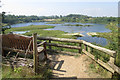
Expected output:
(85, 47)
(89, 49)
(112, 60)
(45, 50)
(80, 50)
(50, 46)
(35, 53)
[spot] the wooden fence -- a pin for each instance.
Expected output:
(21, 44)
(86, 48)
(24, 44)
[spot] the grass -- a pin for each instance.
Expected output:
(97, 69)
(39, 29)
(56, 22)
(25, 72)
(77, 25)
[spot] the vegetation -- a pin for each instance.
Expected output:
(96, 68)
(56, 22)
(88, 19)
(12, 19)
(3, 26)
(77, 25)
(25, 72)
(113, 42)
(39, 29)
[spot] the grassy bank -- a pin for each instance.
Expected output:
(113, 43)
(77, 25)
(113, 37)
(56, 22)
(39, 29)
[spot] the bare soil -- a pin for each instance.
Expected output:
(65, 66)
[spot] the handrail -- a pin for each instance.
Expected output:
(108, 51)
(60, 39)
(110, 66)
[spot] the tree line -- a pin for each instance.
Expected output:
(88, 19)
(8, 20)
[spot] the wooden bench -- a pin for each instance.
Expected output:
(22, 44)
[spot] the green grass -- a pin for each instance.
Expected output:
(57, 22)
(77, 25)
(39, 29)
(96, 68)
(25, 72)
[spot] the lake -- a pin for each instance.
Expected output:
(75, 29)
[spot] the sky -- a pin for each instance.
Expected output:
(60, 7)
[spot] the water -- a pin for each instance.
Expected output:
(20, 32)
(75, 29)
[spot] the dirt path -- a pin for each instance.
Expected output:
(70, 66)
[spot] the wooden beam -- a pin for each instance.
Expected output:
(40, 44)
(117, 69)
(105, 65)
(60, 39)
(16, 50)
(109, 52)
(64, 52)
(8, 53)
(64, 46)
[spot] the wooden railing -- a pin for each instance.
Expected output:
(86, 48)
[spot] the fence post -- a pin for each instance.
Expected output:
(35, 53)
(50, 46)
(89, 49)
(85, 47)
(45, 50)
(80, 50)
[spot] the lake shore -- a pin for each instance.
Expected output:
(75, 34)
(92, 34)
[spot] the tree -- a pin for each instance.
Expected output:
(4, 26)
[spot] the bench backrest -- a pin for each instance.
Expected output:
(16, 41)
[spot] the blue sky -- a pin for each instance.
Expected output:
(61, 7)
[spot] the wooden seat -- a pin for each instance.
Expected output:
(22, 44)
(40, 49)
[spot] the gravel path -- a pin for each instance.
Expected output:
(70, 66)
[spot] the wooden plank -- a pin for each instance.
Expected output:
(105, 65)
(117, 69)
(8, 53)
(16, 50)
(60, 39)
(40, 44)
(109, 52)
(35, 53)
(64, 46)
(64, 52)
(28, 48)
